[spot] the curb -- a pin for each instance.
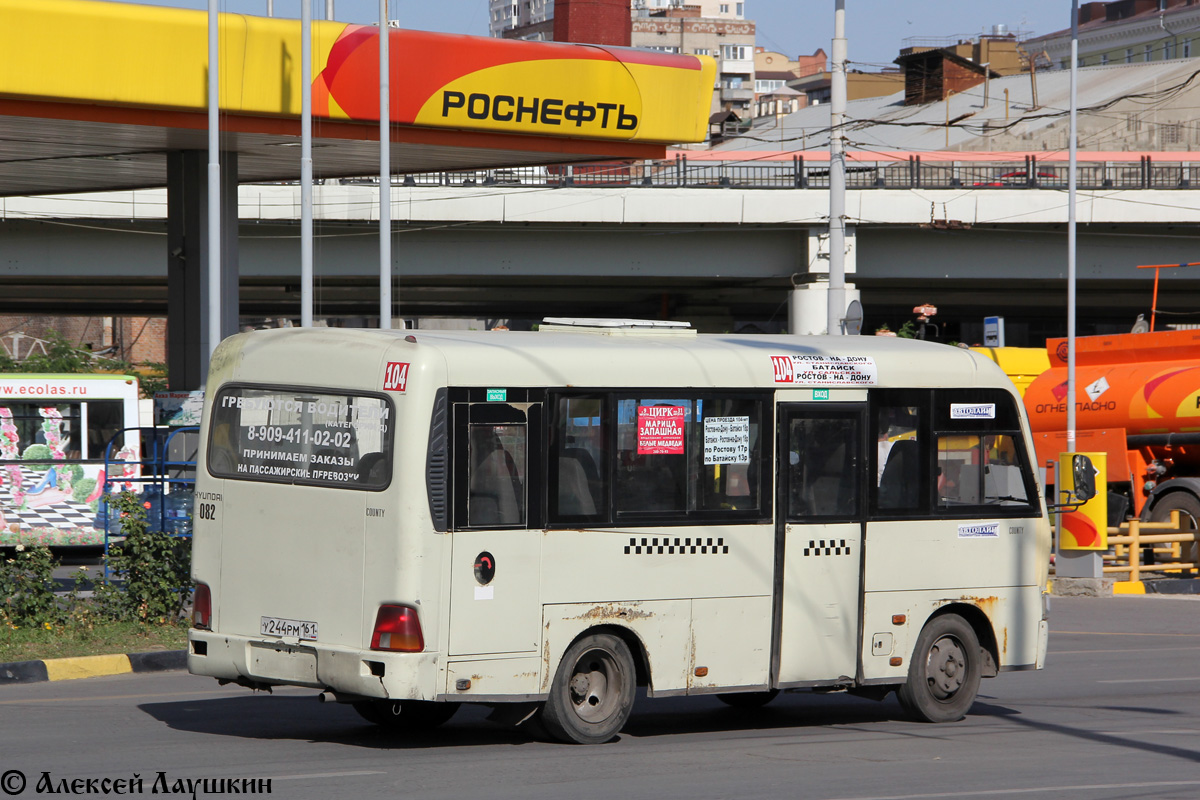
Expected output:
(65, 669)
(1105, 587)
(1173, 586)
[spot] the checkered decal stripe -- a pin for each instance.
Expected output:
(669, 546)
(830, 547)
(66, 515)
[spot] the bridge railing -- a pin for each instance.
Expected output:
(1141, 172)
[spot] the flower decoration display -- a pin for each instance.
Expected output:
(10, 450)
(52, 422)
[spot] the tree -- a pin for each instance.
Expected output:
(61, 357)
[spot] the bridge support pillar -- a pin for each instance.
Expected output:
(187, 260)
(808, 310)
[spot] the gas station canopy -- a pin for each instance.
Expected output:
(93, 95)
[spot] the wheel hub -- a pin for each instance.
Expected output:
(947, 667)
(589, 687)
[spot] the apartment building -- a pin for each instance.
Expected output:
(1125, 32)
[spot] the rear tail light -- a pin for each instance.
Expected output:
(397, 628)
(202, 607)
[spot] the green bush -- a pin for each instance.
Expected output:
(152, 571)
(150, 585)
(27, 589)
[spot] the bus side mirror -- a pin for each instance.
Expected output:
(1085, 478)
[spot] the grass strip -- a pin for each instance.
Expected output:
(94, 639)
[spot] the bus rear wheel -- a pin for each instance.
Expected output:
(748, 700)
(943, 677)
(405, 715)
(592, 694)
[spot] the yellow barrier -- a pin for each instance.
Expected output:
(1128, 541)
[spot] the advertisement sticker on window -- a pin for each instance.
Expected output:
(660, 429)
(301, 436)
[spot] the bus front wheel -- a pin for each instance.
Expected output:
(405, 715)
(943, 677)
(592, 694)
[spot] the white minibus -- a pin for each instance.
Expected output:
(410, 520)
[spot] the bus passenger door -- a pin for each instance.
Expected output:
(818, 542)
(495, 601)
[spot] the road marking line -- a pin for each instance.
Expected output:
(1032, 790)
(1152, 731)
(1150, 680)
(1140, 650)
(1119, 633)
(323, 775)
(35, 700)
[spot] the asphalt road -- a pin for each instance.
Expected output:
(1115, 715)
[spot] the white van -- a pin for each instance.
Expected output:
(408, 521)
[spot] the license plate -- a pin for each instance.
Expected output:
(298, 628)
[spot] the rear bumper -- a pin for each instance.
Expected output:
(410, 676)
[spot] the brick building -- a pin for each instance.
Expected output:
(683, 29)
(134, 339)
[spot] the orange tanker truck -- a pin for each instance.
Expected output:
(1137, 398)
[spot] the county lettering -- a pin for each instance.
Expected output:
(546, 111)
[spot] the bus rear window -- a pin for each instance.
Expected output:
(301, 436)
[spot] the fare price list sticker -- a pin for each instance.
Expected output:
(815, 370)
(726, 440)
(660, 430)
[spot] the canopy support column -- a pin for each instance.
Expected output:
(187, 256)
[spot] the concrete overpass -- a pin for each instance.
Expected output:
(717, 256)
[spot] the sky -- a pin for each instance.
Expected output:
(875, 29)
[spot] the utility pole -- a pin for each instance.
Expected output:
(306, 166)
(1073, 563)
(1071, 228)
(837, 175)
(214, 184)
(385, 171)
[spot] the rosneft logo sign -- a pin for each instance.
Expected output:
(536, 110)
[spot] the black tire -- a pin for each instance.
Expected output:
(1188, 505)
(747, 701)
(405, 715)
(593, 691)
(943, 676)
(1184, 502)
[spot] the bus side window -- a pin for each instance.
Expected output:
(980, 454)
(901, 458)
(652, 467)
(578, 485)
(104, 422)
(823, 472)
(496, 493)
